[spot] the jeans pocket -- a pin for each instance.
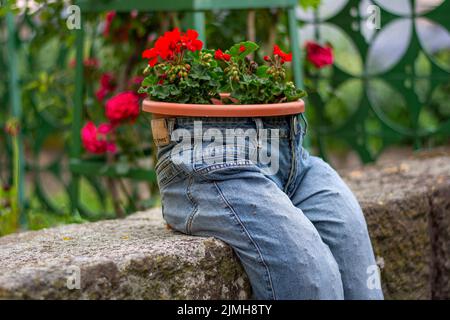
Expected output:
(178, 205)
(167, 171)
(213, 162)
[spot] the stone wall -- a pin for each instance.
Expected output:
(407, 206)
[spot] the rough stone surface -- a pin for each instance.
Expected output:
(134, 258)
(407, 206)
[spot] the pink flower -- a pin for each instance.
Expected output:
(134, 85)
(107, 86)
(95, 139)
(101, 94)
(318, 55)
(122, 107)
(109, 19)
(136, 80)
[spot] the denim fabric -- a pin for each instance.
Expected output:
(299, 231)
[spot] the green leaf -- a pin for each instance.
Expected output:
(149, 80)
(250, 47)
(262, 71)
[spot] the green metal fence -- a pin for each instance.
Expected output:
(389, 85)
(40, 126)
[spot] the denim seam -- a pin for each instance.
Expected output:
(230, 207)
(293, 162)
(298, 165)
(214, 167)
(194, 204)
(164, 179)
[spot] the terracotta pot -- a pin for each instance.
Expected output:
(158, 109)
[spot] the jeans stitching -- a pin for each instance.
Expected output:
(215, 167)
(270, 285)
(194, 204)
(292, 162)
(162, 167)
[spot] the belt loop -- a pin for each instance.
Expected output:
(259, 127)
(294, 123)
(170, 126)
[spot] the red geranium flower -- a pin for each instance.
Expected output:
(171, 44)
(122, 107)
(285, 57)
(219, 55)
(319, 56)
(190, 41)
(95, 139)
(242, 48)
(152, 56)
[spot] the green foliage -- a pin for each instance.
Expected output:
(253, 84)
(256, 90)
(8, 211)
(250, 47)
(197, 78)
(40, 219)
(200, 85)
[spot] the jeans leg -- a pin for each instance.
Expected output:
(330, 205)
(280, 249)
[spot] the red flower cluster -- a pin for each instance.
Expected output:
(319, 56)
(95, 140)
(119, 109)
(107, 86)
(285, 57)
(171, 44)
(121, 31)
(219, 55)
(122, 107)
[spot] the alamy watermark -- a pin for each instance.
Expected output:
(226, 146)
(373, 21)
(374, 274)
(73, 277)
(73, 21)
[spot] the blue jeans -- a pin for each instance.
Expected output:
(298, 230)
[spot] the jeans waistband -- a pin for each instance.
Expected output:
(283, 123)
(280, 121)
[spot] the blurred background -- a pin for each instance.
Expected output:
(386, 94)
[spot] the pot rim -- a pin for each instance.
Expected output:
(223, 110)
